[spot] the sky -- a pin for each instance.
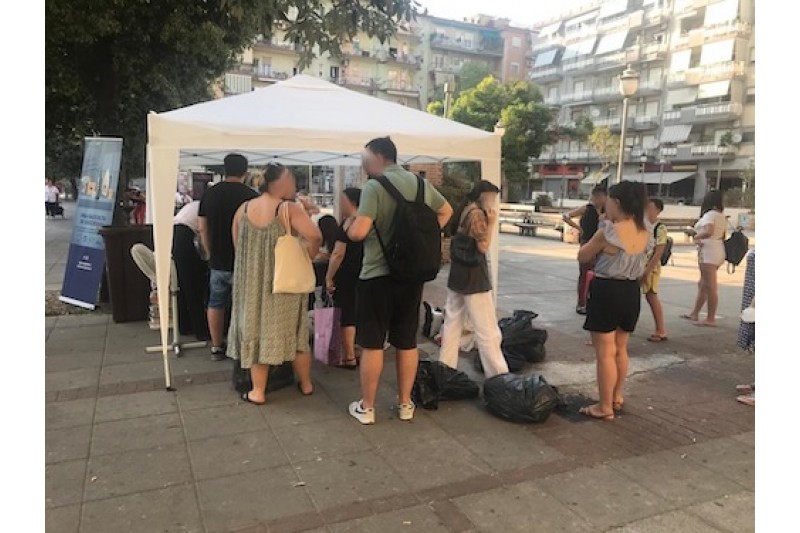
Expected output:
(521, 12)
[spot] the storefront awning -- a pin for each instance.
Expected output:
(654, 178)
(675, 134)
(595, 180)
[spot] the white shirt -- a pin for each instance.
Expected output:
(715, 219)
(188, 215)
(51, 193)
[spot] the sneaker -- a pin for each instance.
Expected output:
(218, 353)
(405, 411)
(363, 415)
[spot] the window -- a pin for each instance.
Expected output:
(516, 42)
(748, 136)
(651, 110)
(752, 54)
(515, 69)
(751, 95)
(655, 75)
(612, 112)
(393, 53)
(552, 93)
(658, 38)
(578, 87)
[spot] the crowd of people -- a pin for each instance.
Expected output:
(238, 231)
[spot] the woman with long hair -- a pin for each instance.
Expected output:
(619, 250)
(268, 329)
(344, 268)
(469, 286)
(709, 236)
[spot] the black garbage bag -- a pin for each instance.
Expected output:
(522, 343)
(521, 398)
(438, 382)
(280, 377)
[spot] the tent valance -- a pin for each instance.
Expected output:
(654, 178)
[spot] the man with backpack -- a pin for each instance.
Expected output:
(400, 219)
(652, 272)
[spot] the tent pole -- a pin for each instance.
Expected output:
(338, 187)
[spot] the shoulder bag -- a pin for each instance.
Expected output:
(294, 272)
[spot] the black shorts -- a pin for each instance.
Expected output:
(386, 306)
(345, 299)
(613, 304)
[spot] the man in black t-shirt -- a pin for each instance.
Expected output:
(215, 220)
(589, 222)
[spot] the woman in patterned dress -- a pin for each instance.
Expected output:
(747, 330)
(269, 329)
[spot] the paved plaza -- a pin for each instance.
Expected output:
(123, 454)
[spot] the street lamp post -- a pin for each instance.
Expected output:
(661, 177)
(628, 85)
(643, 161)
(564, 162)
(721, 151)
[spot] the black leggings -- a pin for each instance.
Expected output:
(193, 282)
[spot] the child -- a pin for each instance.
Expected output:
(652, 272)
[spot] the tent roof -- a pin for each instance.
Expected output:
(305, 120)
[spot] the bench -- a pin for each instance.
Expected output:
(680, 225)
(513, 214)
(534, 221)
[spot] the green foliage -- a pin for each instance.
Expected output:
(518, 106)
(471, 74)
(543, 200)
(109, 63)
(605, 145)
(436, 108)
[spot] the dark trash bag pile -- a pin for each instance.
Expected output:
(522, 344)
(521, 398)
(279, 377)
(438, 382)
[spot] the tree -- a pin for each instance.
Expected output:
(436, 108)
(519, 107)
(605, 145)
(111, 62)
(471, 74)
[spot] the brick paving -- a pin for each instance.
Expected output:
(123, 454)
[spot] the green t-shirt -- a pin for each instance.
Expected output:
(377, 204)
(661, 236)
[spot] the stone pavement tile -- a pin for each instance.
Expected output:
(677, 480)
(62, 519)
(603, 496)
(132, 372)
(748, 438)
(322, 439)
(667, 523)
(67, 444)
(419, 518)
(134, 405)
(226, 420)
(117, 355)
(509, 447)
(524, 507)
(732, 459)
(234, 454)
(252, 498)
(50, 322)
(129, 472)
(73, 346)
(169, 510)
(71, 379)
(387, 431)
(287, 408)
(459, 417)
(64, 483)
(136, 434)
(84, 320)
(62, 415)
(76, 361)
(70, 334)
(193, 363)
(735, 513)
(204, 396)
(425, 464)
(347, 479)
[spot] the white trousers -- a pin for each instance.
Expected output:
(479, 308)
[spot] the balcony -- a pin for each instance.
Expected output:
(645, 122)
(360, 83)
(577, 97)
(650, 88)
(615, 60)
(572, 156)
(550, 42)
(655, 17)
(280, 46)
(547, 73)
(400, 58)
(652, 52)
(401, 88)
(705, 114)
(552, 100)
(699, 152)
(266, 73)
(734, 28)
(607, 122)
(628, 20)
(726, 70)
(575, 65)
(484, 48)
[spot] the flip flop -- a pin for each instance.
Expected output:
(587, 411)
(704, 325)
(246, 397)
(300, 388)
(689, 318)
(747, 399)
(345, 366)
(745, 389)
(657, 338)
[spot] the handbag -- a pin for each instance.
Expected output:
(294, 272)
(463, 247)
(327, 335)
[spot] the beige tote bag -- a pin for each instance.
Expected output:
(294, 273)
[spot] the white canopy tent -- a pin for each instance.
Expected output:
(300, 121)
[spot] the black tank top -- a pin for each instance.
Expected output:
(589, 222)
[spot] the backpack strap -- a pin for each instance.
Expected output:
(392, 190)
(420, 190)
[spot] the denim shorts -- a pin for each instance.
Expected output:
(220, 287)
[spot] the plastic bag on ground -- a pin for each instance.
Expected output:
(522, 343)
(521, 398)
(438, 382)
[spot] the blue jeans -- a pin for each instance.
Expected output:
(220, 288)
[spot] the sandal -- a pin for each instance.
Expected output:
(246, 397)
(617, 406)
(587, 411)
(300, 388)
(747, 399)
(705, 324)
(349, 364)
(745, 389)
(689, 317)
(655, 337)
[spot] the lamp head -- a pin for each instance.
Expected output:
(628, 82)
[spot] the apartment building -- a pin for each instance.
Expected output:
(692, 121)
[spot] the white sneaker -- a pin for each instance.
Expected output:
(363, 415)
(405, 411)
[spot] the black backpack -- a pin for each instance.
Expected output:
(415, 251)
(667, 247)
(736, 247)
